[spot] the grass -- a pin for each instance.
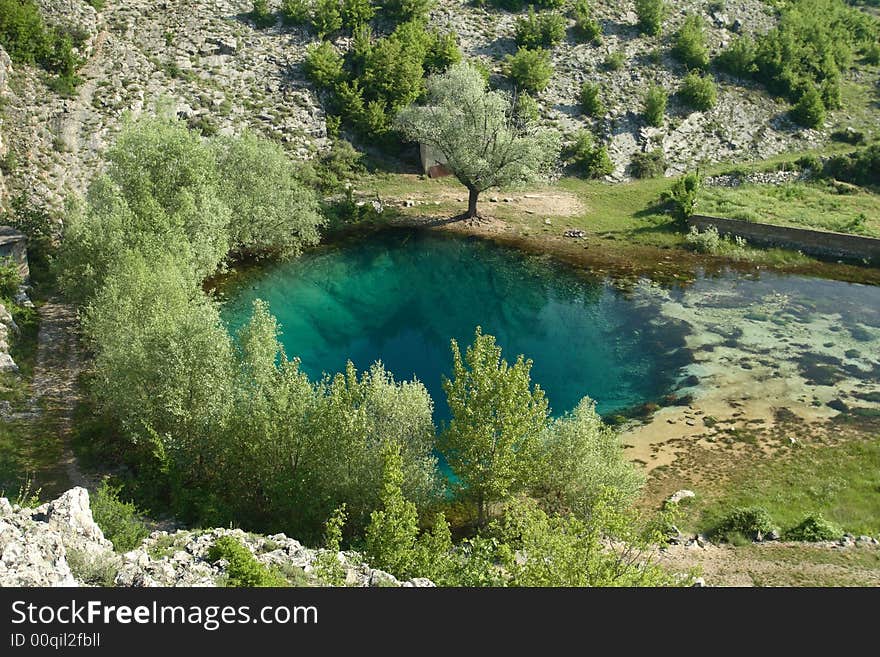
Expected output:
(842, 482)
(805, 565)
(817, 204)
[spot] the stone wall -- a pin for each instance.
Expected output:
(820, 243)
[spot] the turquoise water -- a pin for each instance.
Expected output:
(400, 297)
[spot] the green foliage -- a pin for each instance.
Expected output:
(242, 568)
(323, 65)
(356, 12)
(120, 521)
(872, 54)
(41, 230)
(585, 24)
(590, 99)
(296, 12)
(648, 165)
(655, 105)
(390, 538)
(326, 17)
(91, 569)
(518, 5)
(461, 115)
(260, 14)
(809, 111)
(814, 527)
(707, 241)
(614, 61)
(690, 43)
(861, 167)
(10, 278)
(582, 463)
(327, 567)
(497, 418)
(530, 70)
(698, 91)
(750, 522)
(683, 195)
(543, 30)
(402, 11)
(651, 14)
(590, 159)
(442, 53)
(738, 59)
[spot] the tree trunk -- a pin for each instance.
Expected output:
(472, 203)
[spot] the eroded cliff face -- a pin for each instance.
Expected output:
(59, 544)
(206, 61)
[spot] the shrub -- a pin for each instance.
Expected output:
(296, 12)
(590, 159)
(93, 570)
(442, 53)
(323, 65)
(242, 569)
(648, 165)
(525, 110)
(708, 241)
(614, 61)
(539, 30)
(120, 521)
(690, 43)
(739, 58)
(356, 13)
(809, 111)
(814, 528)
(401, 11)
(326, 18)
(585, 25)
(698, 92)
(260, 14)
(751, 522)
(651, 14)
(655, 105)
(530, 70)
(872, 54)
(590, 100)
(849, 136)
(10, 279)
(683, 195)
(328, 570)
(859, 168)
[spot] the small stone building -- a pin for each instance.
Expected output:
(432, 162)
(13, 248)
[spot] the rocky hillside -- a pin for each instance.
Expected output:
(207, 60)
(59, 544)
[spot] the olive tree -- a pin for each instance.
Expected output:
(483, 142)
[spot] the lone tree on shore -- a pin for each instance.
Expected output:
(485, 143)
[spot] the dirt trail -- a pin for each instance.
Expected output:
(54, 386)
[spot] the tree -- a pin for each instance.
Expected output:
(683, 195)
(809, 111)
(651, 14)
(497, 419)
(390, 538)
(591, 100)
(655, 105)
(356, 12)
(323, 65)
(530, 70)
(271, 210)
(475, 130)
(698, 91)
(690, 43)
(590, 158)
(326, 17)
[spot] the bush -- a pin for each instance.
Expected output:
(655, 105)
(872, 54)
(708, 241)
(530, 70)
(683, 195)
(525, 110)
(809, 111)
(690, 43)
(590, 159)
(323, 65)
(698, 92)
(614, 61)
(356, 13)
(590, 100)
(739, 58)
(752, 522)
(861, 167)
(120, 521)
(648, 165)
(326, 18)
(260, 14)
(585, 25)
(442, 53)
(539, 30)
(401, 11)
(296, 12)
(93, 570)
(814, 528)
(849, 136)
(651, 14)
(242, 569)
(10, 279)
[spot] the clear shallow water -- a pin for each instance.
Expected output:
(400, 297)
